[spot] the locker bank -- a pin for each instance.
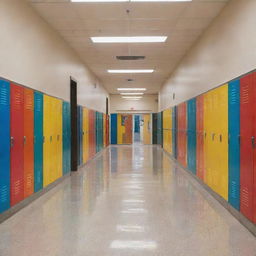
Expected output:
(127, 127)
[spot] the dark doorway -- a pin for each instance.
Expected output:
(107, 106)
(73, 102)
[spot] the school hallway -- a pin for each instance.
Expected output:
(128, 200)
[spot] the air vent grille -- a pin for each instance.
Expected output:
(130, 57)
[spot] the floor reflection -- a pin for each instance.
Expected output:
(129, 200)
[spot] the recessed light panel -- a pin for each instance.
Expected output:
(131, 93)
(131, 89)
(125, 71)
(129, 39)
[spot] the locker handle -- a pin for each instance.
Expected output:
(220, 138)
(213, 134)
(239, 139)
(50, 138)
(24, 140)
(12, 142)
(253, 142)
(58, 137)
(205, 135)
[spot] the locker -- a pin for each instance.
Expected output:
(174, 132)
(99, 131)
(247, 145)
(154, 128)
(104, 130)
(53, 139)
(86, 135)
(58, 137)
(234, 145)
(66, 140)
(182, 134)
(107, 130)
(17, 144)
(80, 134)
(47, 147)
(38, 141)
(167, 132)
(5, 146)
(113, 119)
(200, 171)
(92, 135)
(147, 129)
(101, 139)
(28, 142)
(160, 128)
(191, 144)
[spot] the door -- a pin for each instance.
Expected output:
(17, 144)
(200, 137)
(113, 119)
(234, 143)
(191, 147)
(247, 129)
(147, 129)
(5, 145)
(124, 132)
(28, 142)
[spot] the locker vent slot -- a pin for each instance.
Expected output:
(245, 197)
(245, 94)
(234, 189)
(4, 96)
(4, 194)
(29, 101)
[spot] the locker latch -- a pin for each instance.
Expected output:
(253, 142)
(12, 141)
(50, 138)
(213, 136)
(24, 140)
(220, 138)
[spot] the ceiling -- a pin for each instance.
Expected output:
(182, 22)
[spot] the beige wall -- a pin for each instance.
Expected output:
(33, 54)
(146, 105)
(225, 51)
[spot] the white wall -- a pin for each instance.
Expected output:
(147, 104)
(32, 54)
(225, 51)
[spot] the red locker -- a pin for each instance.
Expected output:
(182, 134)
(92, 134)
(28, 142)
(17, 144)
(247, 146)
(200, 171)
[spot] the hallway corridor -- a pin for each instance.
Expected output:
(129, 200)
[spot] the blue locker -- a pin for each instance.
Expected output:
(66, 138)
(113, 119)
(5, 145)
(191, 129)
(234, 144)
(38, 140)
(174, 133)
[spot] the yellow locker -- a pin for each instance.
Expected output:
(86, 135)
(167, 130)
(147, 129)
(59, 137)
(53, 140)
(47, 145)
(120, 129)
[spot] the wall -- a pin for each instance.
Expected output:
(147, 104)
(225, 51)
(34, 55)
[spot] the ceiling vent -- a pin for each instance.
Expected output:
(130, 80)
(130, 57)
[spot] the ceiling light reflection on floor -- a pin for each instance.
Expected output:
(135, 210)
(126, 228)
(136, 245)
(133, 201)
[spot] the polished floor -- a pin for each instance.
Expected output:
(129, 200)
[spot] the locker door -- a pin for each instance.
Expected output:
(101, 131)
(191, 147)
(107, 130)
(247, 105)
(174, 132)
(160, 128)
(59, 138)
(104, 130)
(5, 146)
(113, 118)
(234, 145)
(53, 141)
(38, 141)
(127, 135)
(92, 139)
(200, 137)
(28, 142)
(85, 137)
(120, 129)
(68, 138)
(146, 129)
(17, 144)
(64, 137)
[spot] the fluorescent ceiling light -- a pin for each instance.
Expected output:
(124, 71)
(98, 1)
(160, 1)
(129, 39)
(131, 97)
(131, 93)
(131, 89)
